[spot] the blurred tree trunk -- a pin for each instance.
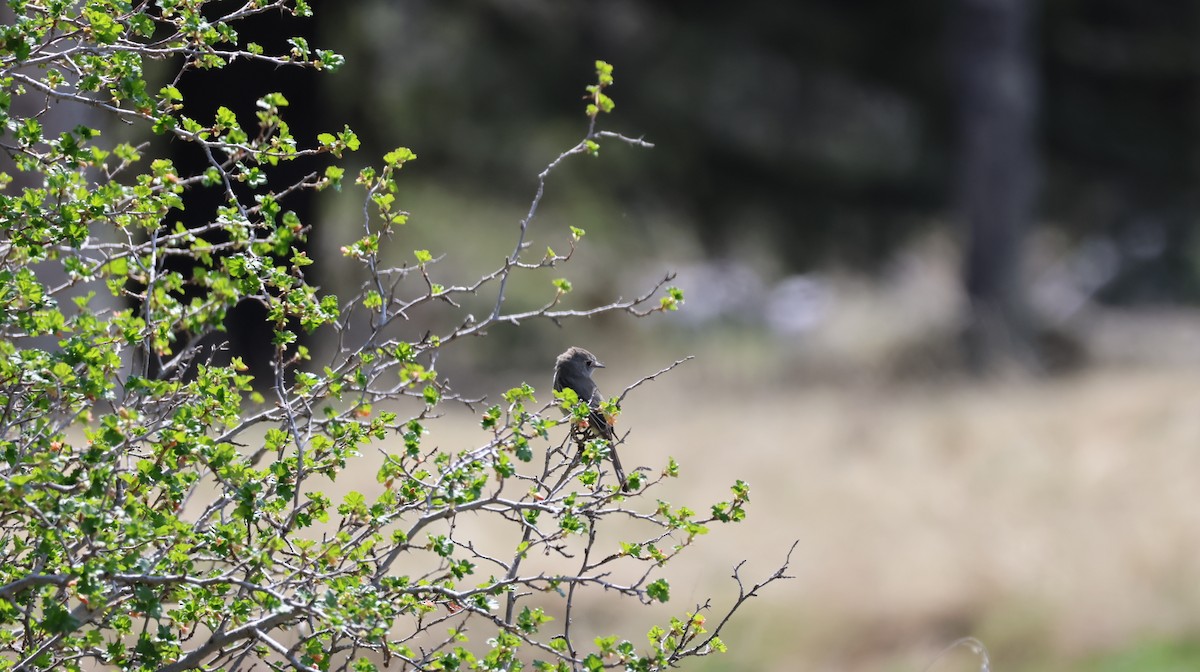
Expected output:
(995, 94)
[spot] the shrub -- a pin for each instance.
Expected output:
(172, 517)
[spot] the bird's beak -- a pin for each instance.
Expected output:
(599, 364)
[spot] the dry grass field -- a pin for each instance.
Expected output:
(1054, 520)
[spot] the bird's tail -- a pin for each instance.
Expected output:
(612, 453)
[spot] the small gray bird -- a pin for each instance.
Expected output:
(573, 371)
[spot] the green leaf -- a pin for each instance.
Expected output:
(659, 590)
(398, 156)
(523, 450)
(58, 620)
(672, 300)
(604, 73)
(334, 175)
(105, 29)
(225, 117)
(349, 138)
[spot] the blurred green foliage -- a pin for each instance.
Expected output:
(1148, 656)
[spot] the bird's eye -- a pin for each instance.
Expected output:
(590, 363)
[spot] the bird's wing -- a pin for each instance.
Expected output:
(596, 417)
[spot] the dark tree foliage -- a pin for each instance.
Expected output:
(829, 126)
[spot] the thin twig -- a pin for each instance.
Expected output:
(652, 377)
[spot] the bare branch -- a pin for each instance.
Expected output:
(779, 574)
(652, 376)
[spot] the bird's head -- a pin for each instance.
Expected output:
(580, 358)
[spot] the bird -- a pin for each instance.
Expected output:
(573, 371)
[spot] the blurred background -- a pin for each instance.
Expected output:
(941, 272)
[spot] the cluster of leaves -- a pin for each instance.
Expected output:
(155, 520)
